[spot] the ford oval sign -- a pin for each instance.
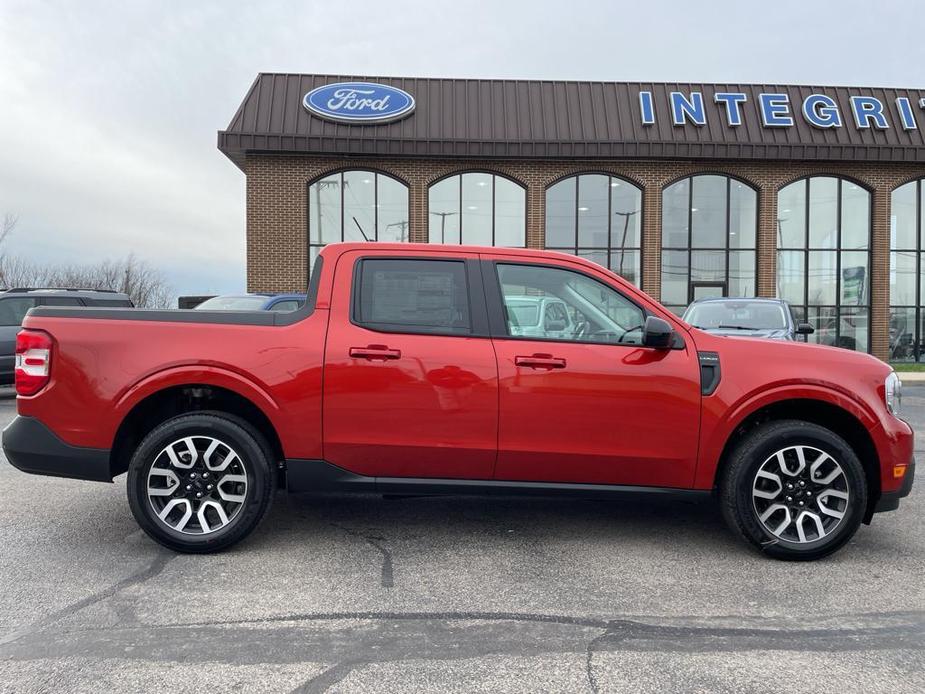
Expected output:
(359, 102)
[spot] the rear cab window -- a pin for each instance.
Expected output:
(427, 296)
(13, 309)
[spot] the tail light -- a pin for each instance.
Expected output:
(33, 361)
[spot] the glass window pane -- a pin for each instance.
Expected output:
(922, 211)
(742, 273)
(791, 276)
(560, 213)
(625, 213)
(594, 255)
(13, 310)
(902, 278)
(675, 214)
(824, 321)
(708, 266)
(708, 212)
(476, 212)
(823, 212)
(627, 264)
(422, 295)
(855, 216)
(903, 216)
(822, 278)
(359, 206)
(324, 210)
(743, 215)
(791, 216)
(854, 325)
(392, 210)
(855, 278)
(593, 196)
(443, 211)
(674, 277)
(902, 334)
(510, 213)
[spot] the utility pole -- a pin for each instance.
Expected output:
(318, 186)
(401, 225)
(443, 216)
(626, 225)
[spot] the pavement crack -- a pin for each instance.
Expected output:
(150, 571)
(326, 679)
(375, 541)
(589, 662)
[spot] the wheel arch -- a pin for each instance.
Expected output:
(158, 405)
(824, 413)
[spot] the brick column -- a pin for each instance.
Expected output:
(652, 240)
(766, 281)
(417, 210)
(880, 272)
(536, 215)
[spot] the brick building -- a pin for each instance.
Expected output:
(813, 194)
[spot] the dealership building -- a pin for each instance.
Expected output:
(809, 193)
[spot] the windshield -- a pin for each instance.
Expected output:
(524, 314)
(737, 315)
(233, 303)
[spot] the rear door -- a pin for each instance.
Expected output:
(410, 379)
(589, 404)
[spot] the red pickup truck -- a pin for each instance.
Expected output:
(422, 369)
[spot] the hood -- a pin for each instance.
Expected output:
(770, 334)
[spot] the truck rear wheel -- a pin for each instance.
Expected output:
(201, 482)
(795, 490)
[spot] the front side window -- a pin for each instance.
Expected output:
(14, 309)
(554, 304)
(356, 206)
(823, 258)
(598, 217)
(907, 272)
(478, 209)
(415, 296)
(709, 226)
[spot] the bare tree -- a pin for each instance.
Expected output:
(6, 227)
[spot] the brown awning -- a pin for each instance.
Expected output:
(526, 119)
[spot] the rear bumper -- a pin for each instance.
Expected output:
(889, 501)
(32, 447)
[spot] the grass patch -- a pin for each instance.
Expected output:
(905, 366)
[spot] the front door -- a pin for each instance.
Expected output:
(410, 380)
(592, 406)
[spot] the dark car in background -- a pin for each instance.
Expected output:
(15, 303)
(253, 302)
(770, 318)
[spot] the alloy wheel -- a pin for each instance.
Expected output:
(800, 494)
(197, 485)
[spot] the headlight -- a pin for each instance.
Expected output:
(893, 391)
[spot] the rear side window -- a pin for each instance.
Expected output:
(285, 305)
(412, 296)
(61, 301)
(14, 309)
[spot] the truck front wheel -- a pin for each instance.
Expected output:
(793, 489)
(201, 482)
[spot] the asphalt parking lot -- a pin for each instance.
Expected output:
(372, 594)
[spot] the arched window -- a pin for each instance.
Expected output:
(823, 258)
(480, 209)
(356, 206)
(597, 216)
(907, 229)
(709, 225)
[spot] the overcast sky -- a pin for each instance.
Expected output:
(109, 111)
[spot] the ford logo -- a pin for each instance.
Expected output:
(359, 102)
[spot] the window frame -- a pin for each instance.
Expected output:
(727, 249)
(610, 248)
(459, 209)
(478, 318)
(839, 249)
(494, 295)
(918, 354)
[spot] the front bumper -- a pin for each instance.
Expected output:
(889, 501)
(32, 447)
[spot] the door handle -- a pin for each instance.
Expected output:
(540, 361)
(374, 352)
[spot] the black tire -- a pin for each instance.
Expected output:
(740, 508)
(257, 464)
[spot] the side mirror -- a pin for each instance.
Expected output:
(657, 333)
(805, 329)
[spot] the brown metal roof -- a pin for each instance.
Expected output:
(523, 119)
